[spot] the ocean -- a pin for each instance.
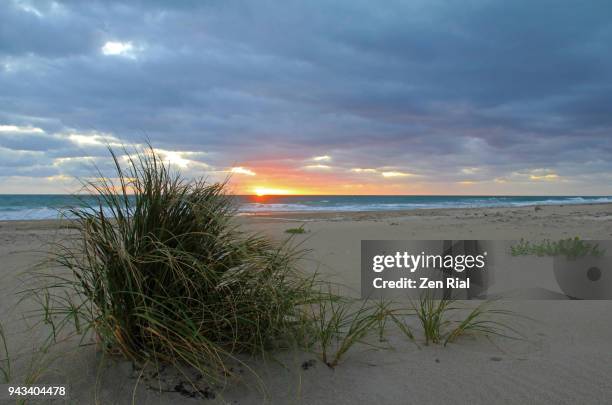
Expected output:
(20, 207)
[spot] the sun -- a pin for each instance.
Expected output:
(261, 191)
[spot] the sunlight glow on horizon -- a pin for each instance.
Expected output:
(261, 191)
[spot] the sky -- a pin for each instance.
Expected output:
(313, 97)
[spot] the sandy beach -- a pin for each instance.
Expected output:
(565, 358)
(346, 202)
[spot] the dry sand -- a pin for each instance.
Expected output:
(566, 357)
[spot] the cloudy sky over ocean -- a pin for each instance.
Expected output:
(350, 97)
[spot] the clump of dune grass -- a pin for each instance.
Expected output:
(296, 231)
(571, 248)
(160, 274)
(341, 324)
(431, 314)
(387, 313)
(439, 326)
(339, 327)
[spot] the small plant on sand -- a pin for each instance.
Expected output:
(160, 274)
(483, 320)
(383, 313)
(342, 323)
(388, 314)
(572, 248)
(296, 231)
(5, 362)
(431, 314)
(38, 363)
(439, 326)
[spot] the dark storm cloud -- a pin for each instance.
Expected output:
(24, 30)
(427, 87)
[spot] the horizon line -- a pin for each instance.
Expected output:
(348, 195)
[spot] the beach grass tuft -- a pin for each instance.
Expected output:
(341, 323)
(440, 326)
(5, 363)
(571, 248)
(296, 231)
(431, 315)
(160, 273)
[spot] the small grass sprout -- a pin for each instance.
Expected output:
(572, 248)
(5, 362)
(339, 326)
(439, 327)
(484, 320)
(296, 231)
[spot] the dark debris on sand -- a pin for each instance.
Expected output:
(189, 391)
(308, 364)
